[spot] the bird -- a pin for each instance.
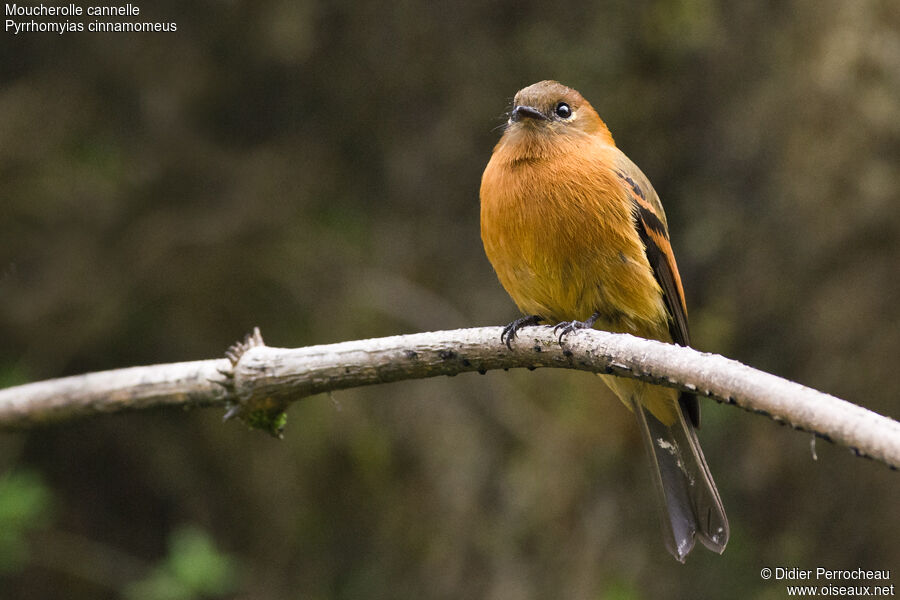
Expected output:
(578, 239)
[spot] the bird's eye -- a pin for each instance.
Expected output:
(563, 111)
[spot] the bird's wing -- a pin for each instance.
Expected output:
(650, 222)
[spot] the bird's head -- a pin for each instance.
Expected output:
(548, 108)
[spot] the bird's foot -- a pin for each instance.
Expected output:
(567, 327)
(510, 331)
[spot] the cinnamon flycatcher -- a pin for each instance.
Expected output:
(578, 236)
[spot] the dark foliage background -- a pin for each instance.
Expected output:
(313, 168)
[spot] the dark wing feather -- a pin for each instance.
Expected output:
(651, 227)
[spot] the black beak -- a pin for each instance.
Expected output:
(526, 112)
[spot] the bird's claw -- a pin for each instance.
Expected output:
(509, 332)
(567, 327)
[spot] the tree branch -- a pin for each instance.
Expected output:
(258, 382)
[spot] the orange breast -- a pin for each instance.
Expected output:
(560, 234)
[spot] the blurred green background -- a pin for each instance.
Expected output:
(313, 168)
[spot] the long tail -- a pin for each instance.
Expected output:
(683, 483)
